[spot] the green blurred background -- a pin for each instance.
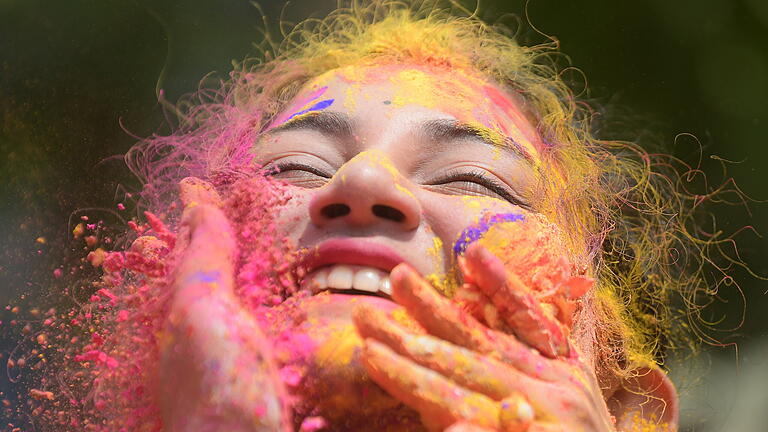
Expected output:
(71, 73)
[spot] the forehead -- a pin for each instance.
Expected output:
(368, 91)
(407, 84)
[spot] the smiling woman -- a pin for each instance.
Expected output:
(400, 222)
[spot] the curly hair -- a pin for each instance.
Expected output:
(627, 211)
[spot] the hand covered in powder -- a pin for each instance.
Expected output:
(216, 372)
(462, 375)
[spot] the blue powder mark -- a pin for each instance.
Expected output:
(323, 104)
(475, 232)
(205, 277)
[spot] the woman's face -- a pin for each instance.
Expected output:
(399, 159)
(386, 164)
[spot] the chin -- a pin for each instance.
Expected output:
(319, 346)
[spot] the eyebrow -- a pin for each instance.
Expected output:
(339, 126)
(329, 123)
(442, 130)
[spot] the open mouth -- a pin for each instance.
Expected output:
(350, 266)
(349, 279)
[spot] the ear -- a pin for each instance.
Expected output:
(646, 398)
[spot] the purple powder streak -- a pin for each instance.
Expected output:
(475, 232)
(205, 277)
(316, 107)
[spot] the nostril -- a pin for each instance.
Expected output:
(332, 211)
(387, 212)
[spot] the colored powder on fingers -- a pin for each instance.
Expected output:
(101, 359)
(532, 249)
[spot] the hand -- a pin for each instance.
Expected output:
(216, 372)
(462, 375)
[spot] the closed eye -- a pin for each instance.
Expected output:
(477, 183)
(298, 174)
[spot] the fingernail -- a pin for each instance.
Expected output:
(359, 315)
(465, 271)
(525, 412)
(404, 279)
(487, 259)
(515, 411)
(400, 273)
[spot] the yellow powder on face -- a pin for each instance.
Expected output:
(322, 80)
(429, 87)
(422, 85)
(380, 159)
(404, 190)
(350, 97)
(458, 97)
(339, 349)
(353, 74)
(297, 117)
(413, 87)
(490, 134)
(443, 283)
(436, 251)
(496, 153)
(475, 203)
(471, 203)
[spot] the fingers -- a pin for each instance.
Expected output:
(462, 366)
(194, 191)
(216, 363)
(204, 278)
(517, 305)
(516, 413)
(460, 357)
(440, 402)
(441, 318)
(205, 272)
(209, 256)
(469, 297)
(436, 313)
(372, 323)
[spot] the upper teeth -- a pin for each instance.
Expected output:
(342, 276)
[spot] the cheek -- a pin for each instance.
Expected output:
(453, 214)
(293, 216)
(450, 215)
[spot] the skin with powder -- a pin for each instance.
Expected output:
(399, 219)
(404, 318)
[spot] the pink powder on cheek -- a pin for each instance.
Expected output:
(266, 259)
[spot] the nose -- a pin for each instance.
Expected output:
(367, 190)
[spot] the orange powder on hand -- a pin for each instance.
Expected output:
(531, 249)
